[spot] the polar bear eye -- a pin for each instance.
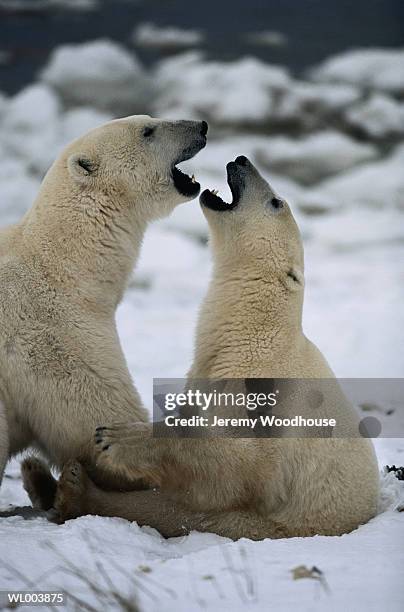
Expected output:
(276, 203)
(148, 131)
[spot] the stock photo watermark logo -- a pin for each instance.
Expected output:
(279, 408)
(14, 599)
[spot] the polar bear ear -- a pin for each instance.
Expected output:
(294, 279)
(80, 167)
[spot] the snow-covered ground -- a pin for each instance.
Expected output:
(334, 147)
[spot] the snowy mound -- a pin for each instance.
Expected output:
(247, 92)
(151, 35)
(368, 68)
(391, 492)
(379, 185)
(77, 121)
(100, 73)
(29, 127)
(188, 86)
(312, 158)
(39, 6)
(267, 38)
(34, 129)
(313, 104)
(18, 189)
(378, 117)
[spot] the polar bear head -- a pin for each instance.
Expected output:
(256, 231)
(133, 161)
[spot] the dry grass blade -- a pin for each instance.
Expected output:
(302, 571)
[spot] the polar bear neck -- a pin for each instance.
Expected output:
(246, 324)
(87, 246)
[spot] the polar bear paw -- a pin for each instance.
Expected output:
(38, 482)
(126, 448)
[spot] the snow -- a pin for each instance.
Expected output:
(348, 199)
(18, 189)
(379, 184)
(368, 68)
(207, 571)
(189, 86)
(79, 120)
(312, 105)
(32, 137)
(310, 159)
(100, 72)
(378, 117)
(267, 38)
(170, 37)
(38, 6)
(43, 105)
(3, 102)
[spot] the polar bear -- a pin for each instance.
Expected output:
(63, 271)
(250, 326)
(3, 440)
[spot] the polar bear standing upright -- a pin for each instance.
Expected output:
(250, 326)
(63, 272)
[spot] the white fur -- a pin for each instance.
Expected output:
(63, 271)
(250, 326)
(3, 440)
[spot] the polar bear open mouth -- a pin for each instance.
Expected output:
(236, 171)
(185, 184)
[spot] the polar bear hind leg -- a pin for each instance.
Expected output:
(38, 483)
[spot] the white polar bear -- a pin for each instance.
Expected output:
(63, 271)
(250, 327)
(3, 440)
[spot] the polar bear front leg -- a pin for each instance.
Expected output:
(14, 437)
(131, 450)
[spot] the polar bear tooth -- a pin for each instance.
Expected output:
(214, 191)
(193, 179)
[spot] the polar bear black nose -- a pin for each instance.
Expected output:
(241, 160)
(204, 128)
